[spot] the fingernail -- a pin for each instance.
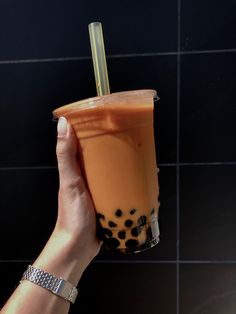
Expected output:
(62, 126)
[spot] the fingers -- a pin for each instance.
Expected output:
(69, 172)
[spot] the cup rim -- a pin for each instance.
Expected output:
(93, 102)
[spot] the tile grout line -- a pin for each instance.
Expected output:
(190, 262)
(233, 262)
(171, 53)
(42, 60)
(180, 164)
(178, 158)
(29, 168)
(134, 262)
(116, 56)
(193, 52)
(213, 163)
(173, 262)
(16, 261)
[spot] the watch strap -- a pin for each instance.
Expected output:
(57, 286)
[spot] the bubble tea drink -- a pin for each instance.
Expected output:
(117, 153)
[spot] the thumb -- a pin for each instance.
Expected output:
(66, 150)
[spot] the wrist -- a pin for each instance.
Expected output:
(63, 258)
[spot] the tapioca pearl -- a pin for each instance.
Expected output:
(107, 232)
(132, 211)
(142, 220)
(121, 235)
(100, 233)
(118, 213)
(131, 243)
(128, 223)
(153, 211)
(136, 231)
(112, 224)
(100, 216)
(112, 243)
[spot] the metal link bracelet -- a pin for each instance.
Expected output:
(57, 286)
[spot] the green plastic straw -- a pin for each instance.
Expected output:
(99, 58)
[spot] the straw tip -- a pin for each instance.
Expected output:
(94, 23)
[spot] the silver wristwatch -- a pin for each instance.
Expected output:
(58, 286)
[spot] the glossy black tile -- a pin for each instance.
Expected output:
(207, 289)
(29, 94)
(31, 91)
(127, 288)
(207, 117)
(28, 211)
(207, 213)
(166, 249)
(11, 274)
(208, 24)
(59, 29)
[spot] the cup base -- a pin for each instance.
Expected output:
(131, 240)
(137, 249)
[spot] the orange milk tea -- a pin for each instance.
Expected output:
(117, 152)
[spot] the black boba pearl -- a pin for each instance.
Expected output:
(121, 234)
(132, 211)
(107, 232)
(112, 224)
(128, 223)
(153, 211)
(100, 216)
(112, 243)
(131, 243)
(142, 220)
(118, 213)
(136, 231)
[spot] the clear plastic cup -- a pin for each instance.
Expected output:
(117, 153)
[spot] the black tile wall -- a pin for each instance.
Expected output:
(208, 214)
(128, 288)
(186, 50)
(207, 289)
(28, 211)
(30, 92)
(58, 29)
(208, 111)
(208, 24)
(14, 271)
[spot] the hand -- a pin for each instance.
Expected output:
(76, 213)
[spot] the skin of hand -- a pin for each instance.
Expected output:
(73, 243)
(76, 213)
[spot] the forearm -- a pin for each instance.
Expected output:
(59, 259)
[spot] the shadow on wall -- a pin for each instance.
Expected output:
(218, 304)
